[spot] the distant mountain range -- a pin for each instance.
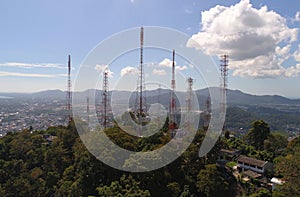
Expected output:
(282, 114)
(234, 97)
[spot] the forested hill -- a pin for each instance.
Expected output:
(241, 117)
(31, 165)
(54, 162)
(237, 97)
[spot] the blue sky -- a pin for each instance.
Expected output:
(36, 37)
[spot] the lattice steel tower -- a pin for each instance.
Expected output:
(140, 103)
(105, 101)
(190, 82)
(224, 83)
(207, 113)
(189, 114)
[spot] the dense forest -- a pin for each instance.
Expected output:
(242, 117)
(55, 162)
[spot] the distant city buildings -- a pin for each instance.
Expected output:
(38, 115)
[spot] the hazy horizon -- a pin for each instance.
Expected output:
(293, 98)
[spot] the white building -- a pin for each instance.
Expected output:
(276, 181)
(249, 163)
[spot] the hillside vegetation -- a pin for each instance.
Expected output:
(33, 165)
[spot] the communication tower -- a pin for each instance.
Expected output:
(69, 93)
(224, 82)
(105, 101)
(140, 110)
(172, 116)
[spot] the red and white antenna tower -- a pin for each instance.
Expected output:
(140, 103)
(172, 121)
(69, 93)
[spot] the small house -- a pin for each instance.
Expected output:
(229, 155)
(249, 163)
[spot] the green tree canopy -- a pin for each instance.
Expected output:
(258, 134)
(210, 182)
(289, 168)
(126, 186)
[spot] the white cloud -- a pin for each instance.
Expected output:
(62, 75)
(188, 11)
(129, 71)
(28, 65)
(191, 66)
(297, 54)
(257, 40)
(101, 68)
(297, 17)
(166, 63)
(181, 68)
(159, 72)
(263, 67)
(151, 64)
(293, 71)
(14, 74)
(283, 51)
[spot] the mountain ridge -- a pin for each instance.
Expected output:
(233, 96)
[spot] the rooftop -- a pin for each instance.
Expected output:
(252, 174)
(229, 151)
(251, 161)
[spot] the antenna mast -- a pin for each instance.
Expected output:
(189, 90)
(141, 71)
(105, 100)
(69, 93)
(140, 103)
(189, 103)
(224, 82)
(172, 122)
(207, 112)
